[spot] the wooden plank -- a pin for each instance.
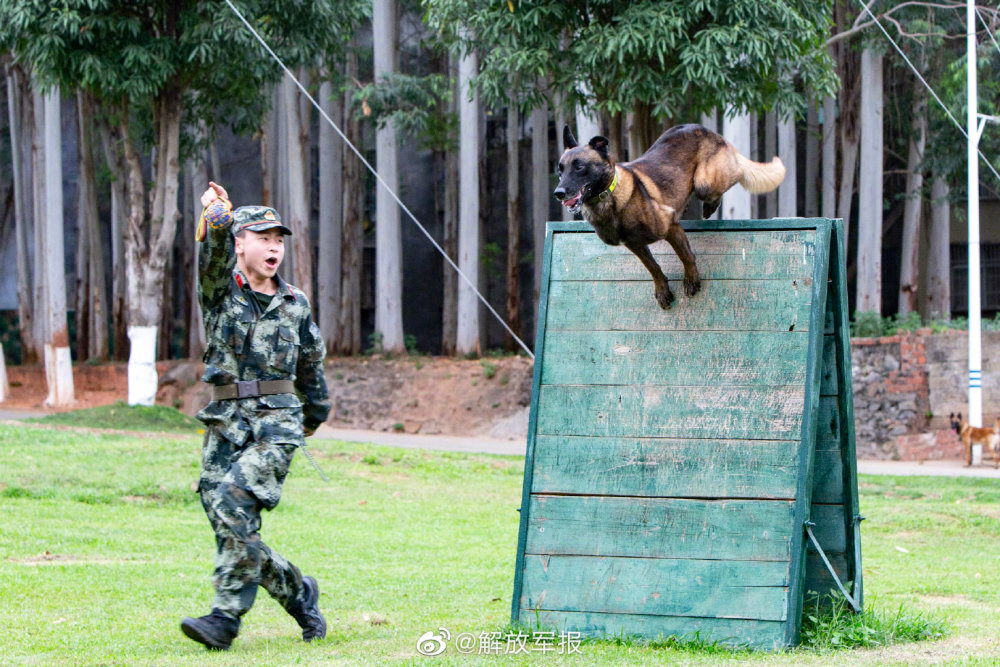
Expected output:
(529, 466)
(829, 530)
(828, 479)
(732, 358)
(719, 256)
(767, 635)
(666, 467)
(829, 386)
(721, 305)
(660, 527)
(660, 586)
(818, 578)
(828, 425)
(757, 413)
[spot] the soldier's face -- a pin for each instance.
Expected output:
(261, 252)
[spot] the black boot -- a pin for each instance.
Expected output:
(215, 631)
(306, 611)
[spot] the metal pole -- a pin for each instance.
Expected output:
(975, 332)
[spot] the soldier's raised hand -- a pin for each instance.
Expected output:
(214, 191)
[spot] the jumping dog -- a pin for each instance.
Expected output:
(636, 203)
(988, 438)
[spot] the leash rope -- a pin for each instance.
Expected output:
(381, 181)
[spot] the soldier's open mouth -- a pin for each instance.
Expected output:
(271, 261)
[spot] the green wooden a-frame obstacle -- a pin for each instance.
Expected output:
(683, 464)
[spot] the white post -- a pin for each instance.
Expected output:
(975, 324)
(142, 378)
(736, 130)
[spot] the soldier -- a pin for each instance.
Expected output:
(265, 364)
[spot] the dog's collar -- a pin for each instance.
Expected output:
(606, 193)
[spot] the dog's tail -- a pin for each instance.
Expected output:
(760, 177)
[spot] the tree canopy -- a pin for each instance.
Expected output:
(611, 54)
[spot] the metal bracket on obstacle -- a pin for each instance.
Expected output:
(826, 561)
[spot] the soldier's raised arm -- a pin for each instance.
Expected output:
(217, 257)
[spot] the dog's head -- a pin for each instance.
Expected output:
(956, 422)
(584, 171)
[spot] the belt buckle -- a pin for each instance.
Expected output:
(247, 388)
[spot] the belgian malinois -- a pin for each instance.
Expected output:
(989, 438)
(636, 203)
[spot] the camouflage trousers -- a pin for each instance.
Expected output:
(237, 483)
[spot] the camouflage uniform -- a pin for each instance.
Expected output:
(249, 442)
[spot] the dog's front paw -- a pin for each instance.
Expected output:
(664, 297)
(692, 285)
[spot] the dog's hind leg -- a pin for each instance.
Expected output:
(664, 296)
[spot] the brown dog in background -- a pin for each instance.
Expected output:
(636, 203)
(988, 438)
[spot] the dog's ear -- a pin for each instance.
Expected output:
(600, 144)
(569, 141)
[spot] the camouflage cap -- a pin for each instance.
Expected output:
(257, 219)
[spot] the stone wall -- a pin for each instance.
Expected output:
(906, 386)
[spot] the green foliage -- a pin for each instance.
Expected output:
(410, 341)
(612, 54)
(374, 343)
(491, 257)
(120, 415)
(866, 325)
(489, 369)
(127, 54)
(828, 623)
(413, 104)
(873, 325)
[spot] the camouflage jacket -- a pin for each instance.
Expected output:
(246, 343)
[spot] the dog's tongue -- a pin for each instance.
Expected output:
(570, 203)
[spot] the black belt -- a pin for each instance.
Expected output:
(252, 389)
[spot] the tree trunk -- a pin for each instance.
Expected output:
(909, 273)
(788, 190)
(869, 275)
(513, 226)
(736, 201)
(296, 212)
(639, 130)
(561, 121)
(58, 361)
(18, 109)
(331, 195)
(388, 235)
(587, 125)
(449, 307)
(94, 296)
(113, 156)
(197, 183)
(938, 304)
(812, 161)
(353, 214)
(540, 189)
(467, 336)
(146, 259)
(39, 279)
(829, 172)
(4, 386)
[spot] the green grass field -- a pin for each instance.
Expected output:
(104, 547)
